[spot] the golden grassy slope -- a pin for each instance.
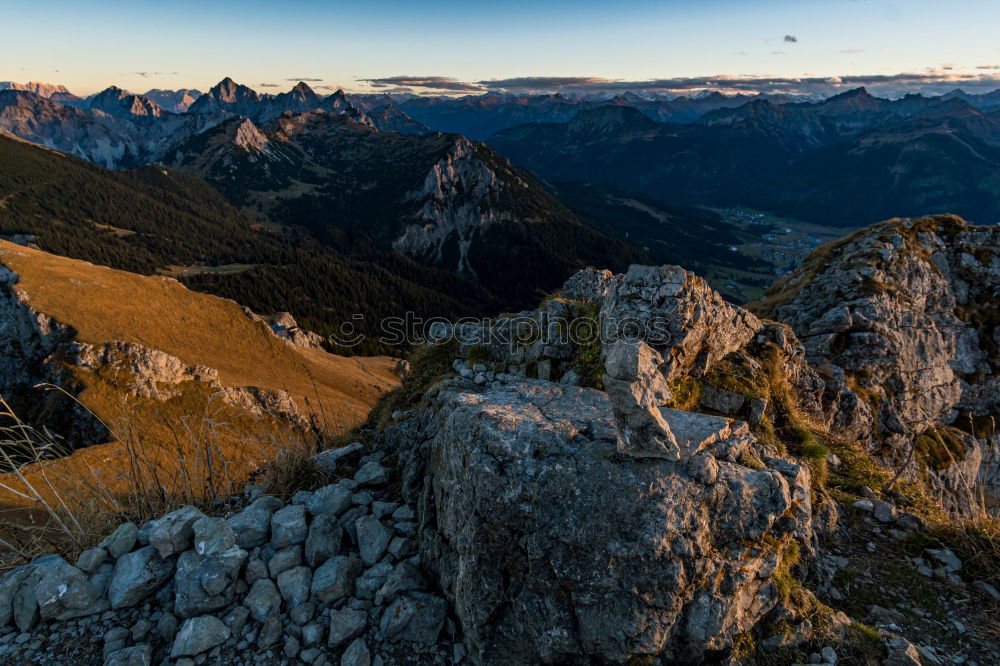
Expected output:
(193, 446)
(103, 304)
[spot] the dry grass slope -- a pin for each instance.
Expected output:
(192, 447)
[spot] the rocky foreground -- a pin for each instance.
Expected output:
(687, 493)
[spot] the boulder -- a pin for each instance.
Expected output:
(137, 655)
(212, 536)
(263, 599)
(323, 542)
(416, 618)
(289, 526)
(373, 539)
(543, 564)
(252, 526)
(206, 583)
(137, 575)
(64, 592)
(345, 625)
(121, 541)
(356, 654)
(294, 585)
(330, 500)
(173, 533)
(334, 579)
(198, 635)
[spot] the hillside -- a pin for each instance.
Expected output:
(439, 199)
(157, 220)
(159, 370)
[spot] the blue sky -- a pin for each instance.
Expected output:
(138, 45)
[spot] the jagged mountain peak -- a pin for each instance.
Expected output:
(248, 136)
(854, 100)
(121, 103)
(228, 90)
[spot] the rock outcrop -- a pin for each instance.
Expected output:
(567, 524)
(656, 325)
(597, 481)
(555, 548)
(903, 320)
(457, 201)
(36, 349)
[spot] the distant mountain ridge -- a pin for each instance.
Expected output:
(53, 91)
(849, 157)
(119, 129)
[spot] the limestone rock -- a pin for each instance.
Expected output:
(252, 526)
(137, 575)
(602, 570)
(174, 532)
(197, 635)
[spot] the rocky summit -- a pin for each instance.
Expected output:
(636, 472)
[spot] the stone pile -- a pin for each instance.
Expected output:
(332, 577)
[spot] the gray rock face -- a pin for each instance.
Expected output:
(137, 575)
(657, 324)
(603, 570)
(197, 635)
(903, 314)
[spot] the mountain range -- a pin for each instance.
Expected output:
(366, 179)
(423, 222)
(848, 159)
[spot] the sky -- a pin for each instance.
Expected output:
(450, 47)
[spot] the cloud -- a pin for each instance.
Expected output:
(791, 39)
(429, 82)
(987, 66)
(777, 53)
(268, 85)
(852, 51)
(146, 75)
(887, 83)
(303, 78)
